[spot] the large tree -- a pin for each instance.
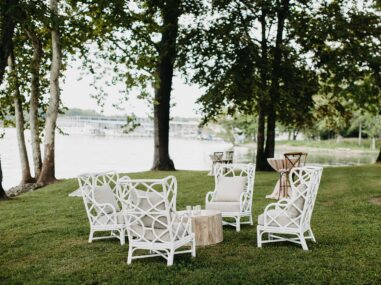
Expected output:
(7, 25)
(140, 39)
(47, 174)
(343, 38)
(242, 53)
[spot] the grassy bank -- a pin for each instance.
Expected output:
(43, 239)
(348, 144)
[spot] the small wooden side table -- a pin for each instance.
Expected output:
(207, 227)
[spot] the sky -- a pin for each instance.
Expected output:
(76, 93)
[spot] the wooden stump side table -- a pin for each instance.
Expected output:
(207, 227)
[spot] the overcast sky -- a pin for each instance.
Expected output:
(76, 94)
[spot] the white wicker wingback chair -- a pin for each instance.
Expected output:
(292, 216)
(233, 193)
(151, 219)
(101, 203)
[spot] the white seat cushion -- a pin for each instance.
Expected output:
(229, 189)
(281, 219)
(223, 206)
(103, 194)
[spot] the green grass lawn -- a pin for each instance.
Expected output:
(43, 239)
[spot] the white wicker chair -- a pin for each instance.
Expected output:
(101, 204)
(151, 219)
(236, 197)
(292, 216)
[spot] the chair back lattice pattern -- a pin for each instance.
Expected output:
(305, 183)
(99, 214)
(296, 211)
(243, 170)
(150, 209)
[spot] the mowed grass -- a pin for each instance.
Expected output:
(43, 239)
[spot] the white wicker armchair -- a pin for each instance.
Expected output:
(151, 219)
(292, 216)
(233, 193)
(101, 204)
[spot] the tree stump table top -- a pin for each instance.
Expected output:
(207, 227)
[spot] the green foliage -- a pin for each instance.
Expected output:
(344, 39)
(125, 44)
(227, 55)
(131, 124)
(44, 239)
(238, 129)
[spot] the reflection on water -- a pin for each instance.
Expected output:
(76, 154)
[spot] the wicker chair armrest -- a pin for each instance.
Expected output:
(209, 196)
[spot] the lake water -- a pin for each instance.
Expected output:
(76, 154)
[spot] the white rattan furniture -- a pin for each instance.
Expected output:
(101, 204)
(287, 218)
(151, 219)
(233, 193)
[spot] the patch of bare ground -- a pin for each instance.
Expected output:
(376, 200)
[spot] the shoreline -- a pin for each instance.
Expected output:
(313, 149)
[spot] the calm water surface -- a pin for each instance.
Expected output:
(76, 154)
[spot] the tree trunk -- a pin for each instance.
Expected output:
(2, 192)
(378, 160)
(6, 33)
(261, 162)
(167, 57)
(48, 166)
(295, 133)
(34, 101)
(19, 117)
(373, 144)
(282, 12)
(360, 134)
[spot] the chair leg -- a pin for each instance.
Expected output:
(251, 220)
(129, 256)
(194, 247)
(238, 224)
(170, 257)
(91, 236)
(312, 235)
(259, 238)
(122, 237)
(303, 242)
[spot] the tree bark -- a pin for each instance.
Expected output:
(34, 101)
(378, 160)
(48, 166)
(6, 33)
(167, 57)
(3, 196)
(261, 162)
(20, 122)
(282, 12)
